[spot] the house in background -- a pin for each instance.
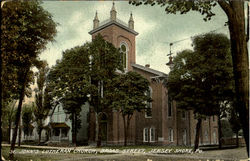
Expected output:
(59, 126)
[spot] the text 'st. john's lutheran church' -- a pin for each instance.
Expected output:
(165, 124)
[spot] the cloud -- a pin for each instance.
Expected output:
(156, 28)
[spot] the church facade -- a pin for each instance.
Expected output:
(165, 124)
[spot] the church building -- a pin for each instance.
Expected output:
(164, 123)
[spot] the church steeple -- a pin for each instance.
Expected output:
(113, 13)
(95, 21)
(131, 22)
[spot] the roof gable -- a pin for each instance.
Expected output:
(118, 23)
(150, 70)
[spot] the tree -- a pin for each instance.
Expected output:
(105, 60)
(22, 39)
(84, 71)
(68, 83)
(129, 96)
(219, 79)
(234, 121)
(226, 128)
(201, 80)
(8, 117)
(236, 22)
(41, 110)
(27, 118)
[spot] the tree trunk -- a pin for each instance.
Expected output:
(73, 129)
(237, 139)
(197, 136)
(18, 114)
(39, 136)
(9, 131)
(19, 134)
(125, 130)
(219, 132)
(126, 124)
(236, 17)
(97, 139)
(1, 94)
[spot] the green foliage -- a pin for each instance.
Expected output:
(27, 117)
(105, 60)
(182, 6)
(128, 93)
(8, 112)
(26, 29)
(202, 79)
(83, 72)
(226, 129)
(41, 108)
(68, 81)
(234, 120)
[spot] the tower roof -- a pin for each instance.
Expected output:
(96, 17)
(131, 17)
(118, 23)
(113, 7)
(114, 21)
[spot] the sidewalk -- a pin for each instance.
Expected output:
(51, 147)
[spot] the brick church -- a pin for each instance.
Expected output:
(165, 124)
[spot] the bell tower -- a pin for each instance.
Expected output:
(120, 34)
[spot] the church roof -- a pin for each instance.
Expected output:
(116, 22)
(150, 70)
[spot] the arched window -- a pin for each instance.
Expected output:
(148, 111)
(124, 55)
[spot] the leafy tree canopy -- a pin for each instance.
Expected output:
(26, 29)
(27, 117)
(234, 11)
(129, 93)
(182, 6)
(83, 72)
(203, 79)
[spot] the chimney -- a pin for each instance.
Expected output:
(147, 65)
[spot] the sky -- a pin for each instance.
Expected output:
(156, 28)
